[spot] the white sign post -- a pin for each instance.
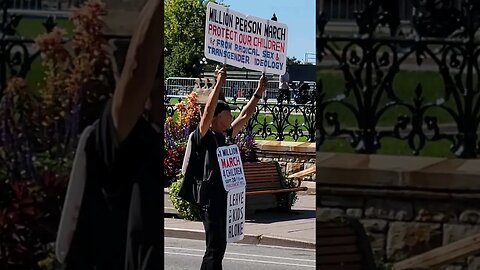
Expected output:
(245, 41)
(235, 214)
(231, 169)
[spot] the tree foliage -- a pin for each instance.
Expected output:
(293, 61)
(184, 37)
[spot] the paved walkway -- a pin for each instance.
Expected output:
(293, 229)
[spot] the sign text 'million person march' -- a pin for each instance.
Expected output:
(245, 41)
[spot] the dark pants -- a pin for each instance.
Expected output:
(144, 242)
(285, 95)
(214, 222)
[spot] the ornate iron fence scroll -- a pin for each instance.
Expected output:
(278, 120)
(442, 37)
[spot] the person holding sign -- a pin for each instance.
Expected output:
(215, 128)
(120, 220)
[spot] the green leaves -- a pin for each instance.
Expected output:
(184, 208)
(184, 37)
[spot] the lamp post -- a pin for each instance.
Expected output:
(203, 63)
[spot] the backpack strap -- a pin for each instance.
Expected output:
(74, 196)
(188, 152)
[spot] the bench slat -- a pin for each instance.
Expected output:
(337, 250)
(335, 231)
(263, 174)
(342, 244)
(254, 178)
(264, 185)
(330, 225)
(265, 178)
(341, 267)
(276, 191)
(349, 258)
(269, 177)
(336, 240)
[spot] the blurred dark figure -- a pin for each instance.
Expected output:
(303, 94)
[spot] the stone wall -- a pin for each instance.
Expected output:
(405, 210)
(292, 156)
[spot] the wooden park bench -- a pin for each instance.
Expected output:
(342, 244)
(441, 256)
(266, 187)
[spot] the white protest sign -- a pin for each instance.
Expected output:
(231, 167)
(235, 215)
(245, 41)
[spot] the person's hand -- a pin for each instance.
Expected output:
(262, 85)
(221, 75)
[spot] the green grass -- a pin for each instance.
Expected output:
(390, 146)
(404, 86)
(35, 76)
(269, 119)
(32, 27)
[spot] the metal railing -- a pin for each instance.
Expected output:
(274, 121)
(370, 64)
(344, 10)
(275, 118)
(43, 5)
(232, 89)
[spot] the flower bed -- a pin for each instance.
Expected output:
(39, 130)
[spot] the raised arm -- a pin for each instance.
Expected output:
(138, 75)
(209, 111)
(249, 109)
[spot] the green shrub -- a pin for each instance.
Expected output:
(289, 199)
(185, 209)
(290, 183)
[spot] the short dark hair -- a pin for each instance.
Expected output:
(223, 106)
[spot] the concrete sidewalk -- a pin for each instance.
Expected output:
(293, 229)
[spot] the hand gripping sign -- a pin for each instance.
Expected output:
(231, 169)
(245, 41)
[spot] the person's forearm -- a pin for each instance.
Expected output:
(244, 115)
(211, 104)
(249, 109)
(138, 75)
(212, 100)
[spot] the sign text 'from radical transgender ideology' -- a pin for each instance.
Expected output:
(245, 41)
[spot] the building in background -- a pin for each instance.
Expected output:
(342, 18)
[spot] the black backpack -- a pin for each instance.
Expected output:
(193, 189)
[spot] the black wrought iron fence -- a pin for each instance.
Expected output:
(274, 121)
(18, 53)
(45, 5)
(373, 70)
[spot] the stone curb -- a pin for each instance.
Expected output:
(248, 239)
